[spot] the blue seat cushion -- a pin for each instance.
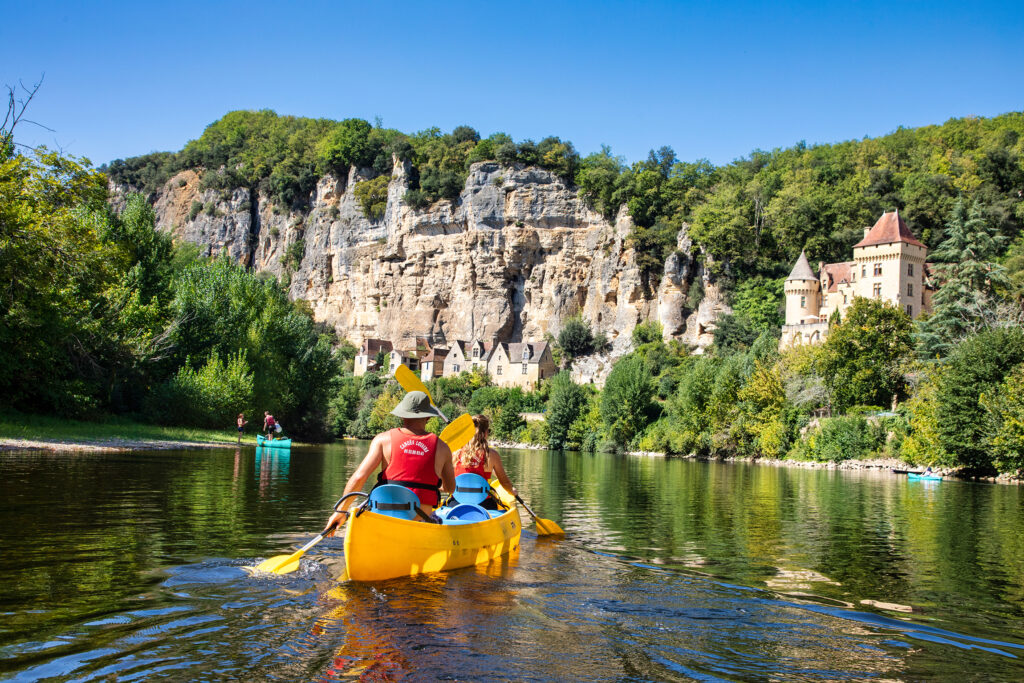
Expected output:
(394, 501)
(471, 488)
(466, 513)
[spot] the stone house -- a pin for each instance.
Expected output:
(520, 364)
(888, 264)
(455, 362)
(432, 365)
(366, 359)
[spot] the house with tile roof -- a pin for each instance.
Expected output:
(366, 359)
(520, 364)
(888, 264)
(432, 364)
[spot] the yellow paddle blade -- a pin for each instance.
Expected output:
(410, 382)
(548, 527)
(458, 432)
(281, 564)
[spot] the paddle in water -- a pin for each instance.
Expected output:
(545, 527)
(457, 434)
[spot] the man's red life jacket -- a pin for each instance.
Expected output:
(476, 466)
(412, 465)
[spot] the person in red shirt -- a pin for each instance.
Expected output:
(268, 424)
(409, 455)
(478, 457)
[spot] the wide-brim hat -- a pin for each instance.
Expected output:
(416, 404)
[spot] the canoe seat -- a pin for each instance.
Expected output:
(471, 488)
(394, 501)
(466, 513)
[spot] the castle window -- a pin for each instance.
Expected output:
(877, 291)
(803, 302)
(476, 352)
(910, 269)
(524, 368)
(455, 368)
(864, 270)
(910, 310)
(499, 369)
(844, 298)
(878, 269)
(910, 289)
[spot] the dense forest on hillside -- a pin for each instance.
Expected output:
(101, 314)
(752, 217)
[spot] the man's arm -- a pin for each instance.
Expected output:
(443, 466)
(370, 463)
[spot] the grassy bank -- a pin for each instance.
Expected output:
(44, 428)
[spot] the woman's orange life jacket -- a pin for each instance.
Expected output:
(476, 466)
(412, 465)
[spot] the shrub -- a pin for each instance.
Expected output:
(566, 402)
(840, 438)
(647, 332)
(626, 402)
(417, 199)
(293, 254)
(194, 210)
(575, 338)
(209, 397)
(372, 196)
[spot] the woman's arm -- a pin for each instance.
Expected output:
(494, 460)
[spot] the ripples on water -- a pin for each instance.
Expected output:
(132, 568)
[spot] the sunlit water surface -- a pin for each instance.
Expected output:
(130, 567)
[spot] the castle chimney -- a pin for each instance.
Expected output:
(867, 229)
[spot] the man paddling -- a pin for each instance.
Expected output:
(409, 456)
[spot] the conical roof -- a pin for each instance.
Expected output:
(889, 228)
(802, 269)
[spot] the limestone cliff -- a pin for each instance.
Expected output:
(512, 258)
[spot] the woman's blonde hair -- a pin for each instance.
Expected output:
(465, 455)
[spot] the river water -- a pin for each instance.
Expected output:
(129, 566)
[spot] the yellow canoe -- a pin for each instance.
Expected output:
(378, 547)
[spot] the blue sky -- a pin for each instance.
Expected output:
(712, 80)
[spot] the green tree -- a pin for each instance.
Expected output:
(968, 279)
(864, 357)
(575, 338)
(977, 366)
(565, 403)
(626, 406)
(372, 196)
(1005, 406)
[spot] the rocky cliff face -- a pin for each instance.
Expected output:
(512, 258)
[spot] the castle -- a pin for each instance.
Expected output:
(888, 264)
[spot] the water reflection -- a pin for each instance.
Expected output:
(129, 565)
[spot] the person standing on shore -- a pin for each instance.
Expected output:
(241, 425)
(409, 456)
(269, 423)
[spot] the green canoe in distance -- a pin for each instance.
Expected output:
(275, 443)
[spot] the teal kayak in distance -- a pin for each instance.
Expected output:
(923, 477)
(273, 443)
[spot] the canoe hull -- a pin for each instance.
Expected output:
(923, 477)
(378, 547)
(275, 443)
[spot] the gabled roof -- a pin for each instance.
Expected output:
(837, 274)
(534, 350)
(372, 346)
(802, 269)
(436, 355)
(889, 228)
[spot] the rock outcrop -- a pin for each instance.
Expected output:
(513, 257)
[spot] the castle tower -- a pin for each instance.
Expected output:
(890, 265)
(803, 293)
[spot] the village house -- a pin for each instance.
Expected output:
(366, 359)
(888, 264)
(455, 362)
(432, 365)
(520, 364)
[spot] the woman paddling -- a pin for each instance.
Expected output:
(478, 457)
